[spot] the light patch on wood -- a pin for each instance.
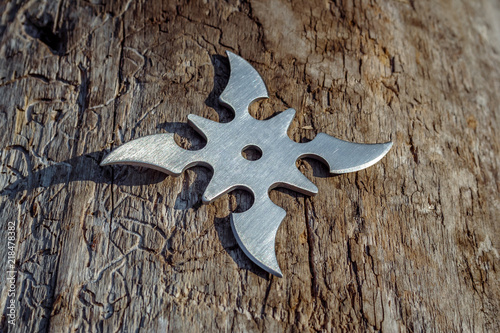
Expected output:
(20, 120)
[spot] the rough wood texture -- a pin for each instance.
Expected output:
(410, 244)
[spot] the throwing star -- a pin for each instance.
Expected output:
(255, 229)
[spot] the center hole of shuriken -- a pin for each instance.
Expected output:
(251, 153)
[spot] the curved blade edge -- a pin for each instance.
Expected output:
(255, 231)
(343, 156)
(159, 151)
(245, 85)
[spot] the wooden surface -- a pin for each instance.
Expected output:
(410, 244)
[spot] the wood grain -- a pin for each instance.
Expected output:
(410, 244)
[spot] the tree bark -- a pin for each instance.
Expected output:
(410, 244)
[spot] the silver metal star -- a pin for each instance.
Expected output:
(255, 229)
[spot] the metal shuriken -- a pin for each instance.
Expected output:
(255, 229)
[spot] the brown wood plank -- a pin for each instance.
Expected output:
(410, 244)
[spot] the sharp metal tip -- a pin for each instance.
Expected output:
(388, 146)
(205, 200)
(105, 161)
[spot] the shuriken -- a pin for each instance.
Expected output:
(255, 229)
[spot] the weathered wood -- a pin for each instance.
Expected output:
(410, 244)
